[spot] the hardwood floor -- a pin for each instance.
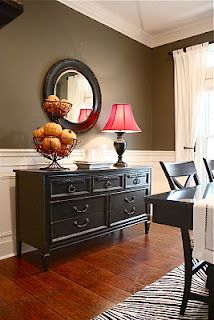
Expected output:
(87, 278)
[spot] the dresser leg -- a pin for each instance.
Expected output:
(18, 248)
(45, 260)
(147, 226)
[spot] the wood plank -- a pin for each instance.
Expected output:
(87, 278)
(118, 281)
(7, 313)
(106, 276)
(90, 301)
(45, 294)
(24, 304)
(52, 299)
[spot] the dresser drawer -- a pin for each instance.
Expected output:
(69, 185)
(137, 179)
(109, 182)
(126, 205)
(68, 209)
(77, 225)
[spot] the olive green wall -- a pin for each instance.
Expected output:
(127, 71)
(48, 31)
(163, 92)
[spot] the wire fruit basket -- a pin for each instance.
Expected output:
(56, 109)
(54, 149)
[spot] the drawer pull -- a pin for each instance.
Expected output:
(81, 225)
(108, 184)
(71, 188)
(136, 181)
(81, 211)
(131, 200)
(131, 212)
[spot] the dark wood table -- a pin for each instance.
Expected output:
(175, 208)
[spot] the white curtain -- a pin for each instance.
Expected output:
(189, 81)
(80, 95)
(205, 138)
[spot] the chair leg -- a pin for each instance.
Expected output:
(187, 269)
(186, 293)
(147, 226)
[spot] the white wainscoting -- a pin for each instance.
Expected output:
(13, 159)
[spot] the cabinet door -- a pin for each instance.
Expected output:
(127, 205)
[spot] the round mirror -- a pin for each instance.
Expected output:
(74, 81)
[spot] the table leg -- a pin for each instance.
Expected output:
(147, 226)
(148, 222)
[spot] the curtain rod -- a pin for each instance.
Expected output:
(170, 52)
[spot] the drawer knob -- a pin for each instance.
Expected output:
(81, 225)
(71, 188)
(131, 200)
(136, 181)
(108, 184)
(131, 212)
(83, 210)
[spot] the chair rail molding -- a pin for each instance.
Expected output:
(11, 159)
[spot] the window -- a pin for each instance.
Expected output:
(208, 105)
(205, 140)
(209, 143)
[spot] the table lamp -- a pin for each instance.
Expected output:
(83, 115)
(121, 120)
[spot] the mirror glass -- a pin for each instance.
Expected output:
(74, 81)
(74, 87)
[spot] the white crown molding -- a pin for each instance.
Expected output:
(180, 33)
(98, 13)
(114, 21)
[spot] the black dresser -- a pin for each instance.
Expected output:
(57, 208)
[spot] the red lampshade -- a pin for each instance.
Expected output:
(84, 113)
(121, 119)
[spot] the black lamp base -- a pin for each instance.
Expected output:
(120, 146)
(120, 164)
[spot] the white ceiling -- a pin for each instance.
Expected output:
(152, 23)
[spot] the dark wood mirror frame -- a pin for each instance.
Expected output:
(9, 10)
(49, 84)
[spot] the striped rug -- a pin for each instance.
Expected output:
(161, 300)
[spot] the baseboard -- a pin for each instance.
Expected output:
(8, 245)
(7, 248)
(11, 159)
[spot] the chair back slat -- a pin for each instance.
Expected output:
(180, 169)
(209, 165)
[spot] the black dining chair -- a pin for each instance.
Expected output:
(173, 171)
(187, 171)
(209, 165)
